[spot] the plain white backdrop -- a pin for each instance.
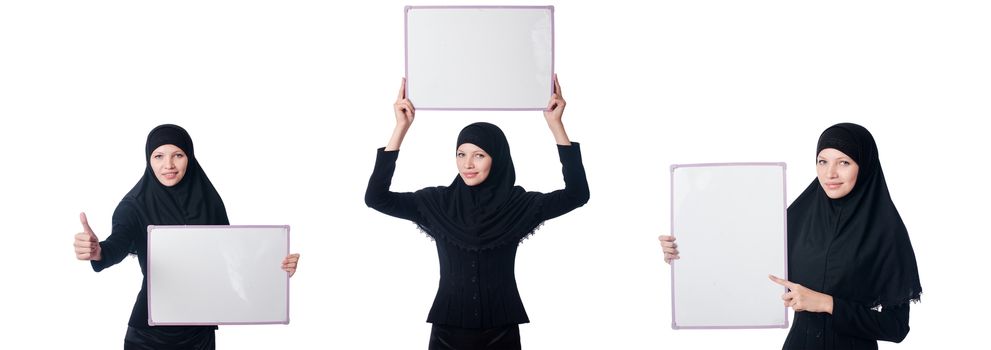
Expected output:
(287, 101)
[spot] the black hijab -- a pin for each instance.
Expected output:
(855, 247)
(487, 215)
(192, 201)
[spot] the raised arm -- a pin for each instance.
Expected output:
(575, 192)
(404, 118)
(553, 114)
(377, 195)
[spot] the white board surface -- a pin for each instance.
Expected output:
(209, 275)
(479, 57)
(729, 221)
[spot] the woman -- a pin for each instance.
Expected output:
(477, 223)
(174, 190)
(852, 268)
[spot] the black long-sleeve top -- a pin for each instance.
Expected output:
(127, 231)
(477, 288)
(851, 326)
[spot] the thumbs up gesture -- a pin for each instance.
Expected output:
(86, 244)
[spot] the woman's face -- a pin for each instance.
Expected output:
(837, 172)
(473, 164)
(169, 164)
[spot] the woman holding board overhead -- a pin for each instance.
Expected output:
(477, 222)
(851, 265)
(174, 190)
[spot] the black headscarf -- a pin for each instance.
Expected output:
(855, 247)
(192, 201)
(490, 214)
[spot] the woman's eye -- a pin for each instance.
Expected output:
(461, 155)
(180, 155)
(158, 156)
(479, 156)
(821, 162)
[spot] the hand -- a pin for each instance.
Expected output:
(553, 113)
(289, 263)
(403, 108)
(669, 247)
(803, 299)
(404, 118)
(555, 108)
(86, 244)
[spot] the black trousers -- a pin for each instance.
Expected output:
(456, 338)
(171, 338)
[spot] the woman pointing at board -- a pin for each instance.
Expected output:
(851, 264)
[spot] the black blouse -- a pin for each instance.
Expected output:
(477, 288)
(851, 326)
(126, 233)
(129, 232)
(829, 264)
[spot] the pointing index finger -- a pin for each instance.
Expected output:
(783, 282)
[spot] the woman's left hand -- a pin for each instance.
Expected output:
(801, 298)
(289, 263)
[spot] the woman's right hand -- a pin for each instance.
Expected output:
(404, 118)
(403, 107)
(669, 247)
(86, 244)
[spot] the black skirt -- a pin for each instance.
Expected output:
(456, 338)
(170, 338)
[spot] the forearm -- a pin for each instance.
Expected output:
(889, 324)
(398, 134)
(111, 253)
(560, 135)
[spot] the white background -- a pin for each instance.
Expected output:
(287, 102)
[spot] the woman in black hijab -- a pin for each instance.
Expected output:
(852, 268)
(477, 223)
(174, 190)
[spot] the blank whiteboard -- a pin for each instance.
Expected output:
(729, 220)
(210, 275)
(479, 57)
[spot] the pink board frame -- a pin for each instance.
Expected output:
(784, 199)
(149, 278)
(406, 52)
